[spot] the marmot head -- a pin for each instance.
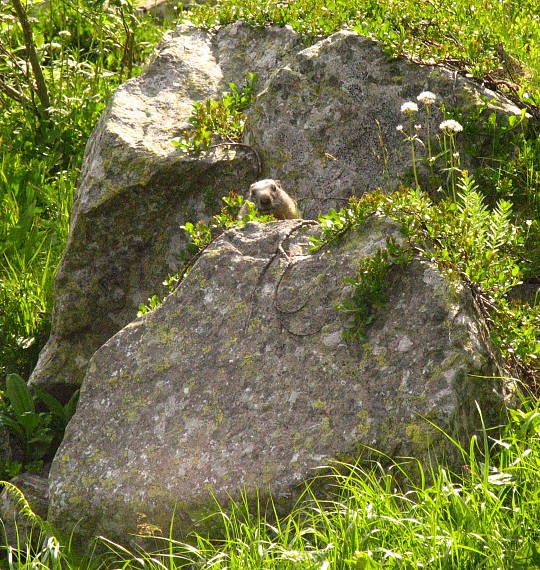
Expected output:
(265, 194)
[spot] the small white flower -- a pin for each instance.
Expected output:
(64, 33)
(409, 107)
(427, 97)
(456, 155)
(417, 127)
(399, 128)
(451, 126)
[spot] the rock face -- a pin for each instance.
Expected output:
(242, 380)
(137, 189)
(325, 124)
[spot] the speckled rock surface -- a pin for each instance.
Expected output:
(242, 380)
(326, 124)
(137, 189)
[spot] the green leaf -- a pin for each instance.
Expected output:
(55, 407)
(19, 395)
(29, 421)
(71, 406)
(14, 426)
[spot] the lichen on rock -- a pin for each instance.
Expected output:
(191, 402)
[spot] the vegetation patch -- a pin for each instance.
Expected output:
(37, 434)
(223, 119)
(59, 63)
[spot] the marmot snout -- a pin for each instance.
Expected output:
(270, 198)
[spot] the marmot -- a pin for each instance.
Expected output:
(270, 198)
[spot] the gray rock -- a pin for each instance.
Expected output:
(137, 189)
(314, 125)
(17, 528)
(325, 125)
(242, 382)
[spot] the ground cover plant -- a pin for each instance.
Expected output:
(36, 433)
(484, 516)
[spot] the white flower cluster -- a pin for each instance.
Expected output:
(409, 107)
(450, 126)
(427, 97)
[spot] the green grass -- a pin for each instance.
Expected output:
(34, 222)
(485, 516)
(83, 55)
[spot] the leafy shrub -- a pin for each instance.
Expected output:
(223, 119)
(37, 433)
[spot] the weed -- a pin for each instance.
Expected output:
(467, 240)
(370, 287)
(223, 119)
(38, 433)
(410, 109)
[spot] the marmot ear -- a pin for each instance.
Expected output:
(278, 183)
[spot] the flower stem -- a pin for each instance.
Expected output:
(412, 137)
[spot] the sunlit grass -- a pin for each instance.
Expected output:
(83, 52)
(501, 39)
(485, 516)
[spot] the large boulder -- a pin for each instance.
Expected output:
(137, 190)
(325, 125)
(242, 382)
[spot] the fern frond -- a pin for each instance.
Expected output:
(473, 212)
(25, 509)
(500, 227)
(472, 204)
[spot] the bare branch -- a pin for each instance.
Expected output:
(17, 96)
(41, 86)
